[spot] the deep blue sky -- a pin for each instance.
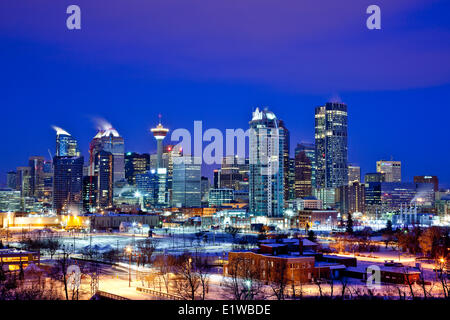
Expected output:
(216, 61)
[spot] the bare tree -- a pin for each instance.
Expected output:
(244, 280)
(59, 271)
(278, 280)
(147, 248)
(165, 265)
(202, 268)
(188, 281)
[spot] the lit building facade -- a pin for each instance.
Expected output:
(11, 180)
(428, 179)
(390, 196)
(37, 176)
(217, 197)
(104, 174)
(109, 140)
(286, 141)
(66, 145)
(351, 198)
(331, 145)
(354, 173)
(392, 170)
(266, 177)
(304, 155)
(135, 164)
(24, 181)
(186, 183)
(67, 184)
(10, 200)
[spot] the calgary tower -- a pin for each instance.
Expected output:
(159, 133)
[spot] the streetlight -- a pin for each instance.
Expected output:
(129, 251)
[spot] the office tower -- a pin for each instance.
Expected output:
(392, 170)
(10, 200)
(152, 187)
(327, 196)
(303, 171)
(68, 184)
(66, 145)
(11, 180)
(285, 136)
(374, 177)
(216, 178)
(48, 180)
(232, 173)
(169, 153)
(109, 140)
(244, 171)
(428, 179)
(331, 145)
(291, 178)
(159, 133)
(204, 184)
(135, 163)
(354, 173)
(104, 173)
(310, 151)
(217, 197)
(351, 198)
(266, 176)
(186, 183)
(37, 176)
(23, 183)
(390, 196)
(90, 193)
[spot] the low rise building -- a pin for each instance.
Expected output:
(11, 259)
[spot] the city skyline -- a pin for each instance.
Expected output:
(207, 170)
(250, 151)
(289, 58)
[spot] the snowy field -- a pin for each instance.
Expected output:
(167, 241)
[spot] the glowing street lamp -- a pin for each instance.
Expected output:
(129, 251)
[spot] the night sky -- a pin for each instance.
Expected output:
(216, 60)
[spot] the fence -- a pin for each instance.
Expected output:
(107, 295)
(159, 293)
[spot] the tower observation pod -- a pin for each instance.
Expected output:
(159, 133)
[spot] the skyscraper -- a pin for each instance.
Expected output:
(186, 183)
(152, 186)
(66, 145)
(104, 169)
(24, 181)
(37, 176)
(48, 180)
(354, 173)
(374, 177)
(285, 136)
(392, 170)
(135, 163)
(11, 180)
(205, 186)
(266, 174)
(331, 145)
(90, 193)
(351, 198)
(291, 178)
(233, 173)
(428, 179)
(67, 184)
(304, 167)
(109, 140)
